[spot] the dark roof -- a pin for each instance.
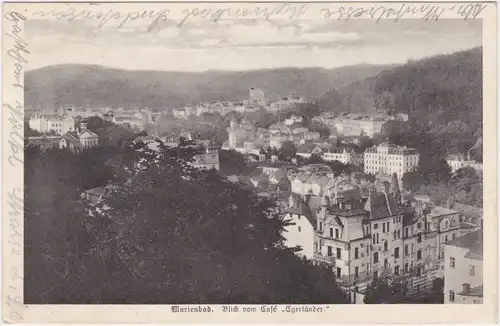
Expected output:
(72, 137)
(313, 202)
(300, 207)
(472, 241)
(381, 205)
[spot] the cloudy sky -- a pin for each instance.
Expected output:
(246, 44)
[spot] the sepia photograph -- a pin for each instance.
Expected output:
(259, 157)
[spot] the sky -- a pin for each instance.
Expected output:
(246, 44)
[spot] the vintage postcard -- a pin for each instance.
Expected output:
(264, 162)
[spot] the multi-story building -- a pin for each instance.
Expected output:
(363, 238)
(357, 125)
(286, 103)
(463, 271)
(346, 156)
(388, 159)
(45, 123)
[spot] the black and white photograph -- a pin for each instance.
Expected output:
(237, 158)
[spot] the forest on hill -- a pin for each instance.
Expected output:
(95, 86)
(435, 91)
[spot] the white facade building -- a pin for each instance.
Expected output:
(463, 272)
(46, 123)
(389, 159)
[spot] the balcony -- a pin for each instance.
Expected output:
(330, 260)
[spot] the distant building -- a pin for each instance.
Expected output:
(45, 123)
(293, 119)
(463, 271)
(44, 141)
(389, 159)
(256, 95)
(207, 160)
(285, 104)
(459, 161)
(355, 124)
(79, 140)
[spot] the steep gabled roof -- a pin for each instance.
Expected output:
(298, 206)
(381, 205)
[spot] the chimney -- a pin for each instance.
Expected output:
(466, 288)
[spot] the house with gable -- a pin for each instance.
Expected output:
(76, 141)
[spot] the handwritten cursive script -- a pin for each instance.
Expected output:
(16, 138)
(111, 16)
(19, 50)
(425, 11)
(280, 11)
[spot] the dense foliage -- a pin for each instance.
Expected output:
(434, 91)
(165, 234)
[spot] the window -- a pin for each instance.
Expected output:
(377, 238)
(356, 271)
(339, 272)
(385, 246)
(406, 268)
(396, 252)
(419, 238)
(336, 233)
(331, 232)
(356, 253)
(419, 225)
(375, 226)
(406, 232)
(452, 296)
(386, 263)
(321, 226)
(388, 226)
(383, 227)
(445, 238)
(375, 257)
(339, 253)
(375, 275)
(452, 262)
(453, 236)
(406, 249)
(419, 271)
(446, 224)
(472, 270)
(395, 234)
(299, 229)
(396, 270)
(399, 234)
(374, 238)
(412, 248)
(329, 251)
(419, 254)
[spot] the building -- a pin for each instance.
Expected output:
(207, 160)
(388, 159)
(286, 103)
(256, 95)
(79, 140)
(44, 141)
(357, 125)
(293, 120)
(46, 123)
(463, 272)
(345, 156)
(301, 232)
(458, 161)
(362, 237)
(238, 133)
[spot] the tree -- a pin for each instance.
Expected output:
(232, 162)
(385, 289)
(168, 233)
(287, 150)
(412, 180)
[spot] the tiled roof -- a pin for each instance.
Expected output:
(300, 207)
(472, 241)
(381, 205)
